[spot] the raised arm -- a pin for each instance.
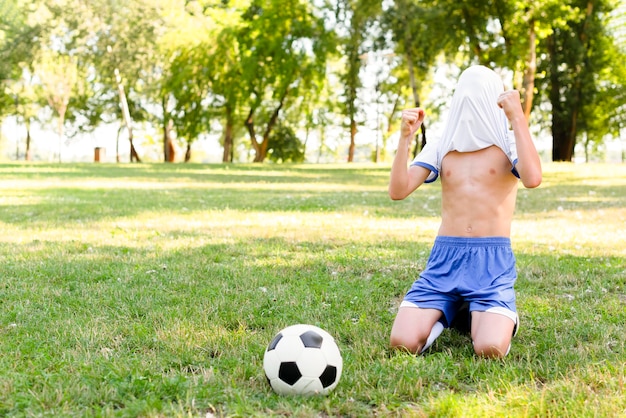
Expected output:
(528, 163)
(404, 180)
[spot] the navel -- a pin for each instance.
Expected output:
(468, 229)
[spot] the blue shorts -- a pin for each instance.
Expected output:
(480, 271)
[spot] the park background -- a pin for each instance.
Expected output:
(154, 289)
(151, 289)
(292, 81)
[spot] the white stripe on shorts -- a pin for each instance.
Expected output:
(496, 309)
(503, 311)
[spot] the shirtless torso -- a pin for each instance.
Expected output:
(478, 194)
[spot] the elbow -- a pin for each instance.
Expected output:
(396, 195)
(530, 175)
(532, 181)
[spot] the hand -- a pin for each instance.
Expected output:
(411, 121)
(510, 102)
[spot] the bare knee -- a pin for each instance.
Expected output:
(491, 334)
(493, 348)
(412, 327)
(403, 342)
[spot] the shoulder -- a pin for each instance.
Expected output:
(429, 159)
(421, 173)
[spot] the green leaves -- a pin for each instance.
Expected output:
(240, 68)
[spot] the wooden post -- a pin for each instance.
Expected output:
(98, 154)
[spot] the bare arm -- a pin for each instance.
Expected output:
(528, 162)
(404, 180)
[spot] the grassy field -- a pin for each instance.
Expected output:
(153, 290)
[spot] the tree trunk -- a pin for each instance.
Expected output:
(322, 142)
(352, 147)
(562, 149)
(117, 144)
(389, 132)
(565, 113)
(413, 80)
(576, 104)
(416, 98)
(261, 149)
(228, 143)
(126, 116)
(227, 157)
(562, 144)
(252, 133)
(134, 157)
(352, 84)
(169, 152)
(528, 84)
(60, 122)
(307, 131)
(28, 153)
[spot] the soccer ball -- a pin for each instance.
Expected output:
(302, 360)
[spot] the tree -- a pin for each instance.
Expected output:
(114, 42)
(16, 39)
(250, 63)
(58, 75)
(17, 48)
(357, 20)
(283, 49)
(205, 77)
(419, 35)
(579, 56)
(27, 107)
(50, 75)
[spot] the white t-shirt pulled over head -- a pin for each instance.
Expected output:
(475, 121)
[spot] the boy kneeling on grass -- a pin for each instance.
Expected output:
(471, 265)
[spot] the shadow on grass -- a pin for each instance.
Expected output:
(190, 324)
(62, 206)
(217, 173)
(165, 316)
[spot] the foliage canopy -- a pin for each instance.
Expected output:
(242, 68)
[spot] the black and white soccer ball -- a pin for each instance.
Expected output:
(303, 360)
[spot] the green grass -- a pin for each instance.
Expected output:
(152, 290)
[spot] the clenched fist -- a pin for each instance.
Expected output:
(411, 121)
(510, 102)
